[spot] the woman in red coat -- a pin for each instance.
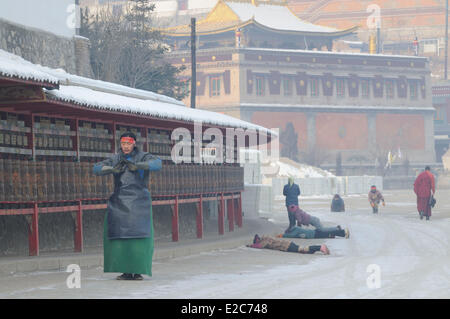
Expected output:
(424, 188)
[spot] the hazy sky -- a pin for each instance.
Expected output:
(56, 16)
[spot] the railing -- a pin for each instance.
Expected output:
(31, 188)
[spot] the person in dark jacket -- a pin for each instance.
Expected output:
(291, 191)
(375, 197)
(128, 228)
(337, 204)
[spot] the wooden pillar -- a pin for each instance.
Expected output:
(221, 215)
(230, 211)
(239, 219)
(236, 209)
(33, 232)
(78, 234)
(175, 227)
(200, 217)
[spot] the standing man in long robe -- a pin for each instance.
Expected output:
(291, 191)
(128, 228)
(424, 188)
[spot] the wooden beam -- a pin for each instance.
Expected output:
(21, 94)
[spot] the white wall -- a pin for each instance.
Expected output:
(201, 4)
(343, 185)
(165, 8)
(55, 16)
(169, 7)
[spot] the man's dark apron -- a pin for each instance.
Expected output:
(129, 207)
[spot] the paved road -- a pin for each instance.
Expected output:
(389, 255)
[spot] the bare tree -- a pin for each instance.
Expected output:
(288, 140)
(126, 49)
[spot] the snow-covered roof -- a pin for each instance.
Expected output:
(98, 94)
(229, 15)
(13, 66)
(278, 17)
(75, 80)
(90, 98)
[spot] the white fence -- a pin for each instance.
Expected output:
(342, 185)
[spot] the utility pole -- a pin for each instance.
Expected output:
(193, 65)
(77, 17)
(446, 39)
(378, 39)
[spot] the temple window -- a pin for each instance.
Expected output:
(340, 87)
(287, 86)
(214, 86)
(439, 115)
(314, 87)
(413, 90)
(390, 89)
(259, 85)
(365, 89)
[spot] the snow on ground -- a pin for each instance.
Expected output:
(412, 257)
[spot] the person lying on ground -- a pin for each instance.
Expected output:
(299, 232)
(288, 246)
(303, 218)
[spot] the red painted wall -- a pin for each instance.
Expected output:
(336, 131)
(280, 119)
(400, 130)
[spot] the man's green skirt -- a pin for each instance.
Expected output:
(128, 255)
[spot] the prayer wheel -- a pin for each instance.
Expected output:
(57, 179)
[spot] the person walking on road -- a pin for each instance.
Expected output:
(375, 197)
(288, 246)
(128, 239)
(291, 191)
(424, 187)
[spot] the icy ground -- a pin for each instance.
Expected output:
(389, 255)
